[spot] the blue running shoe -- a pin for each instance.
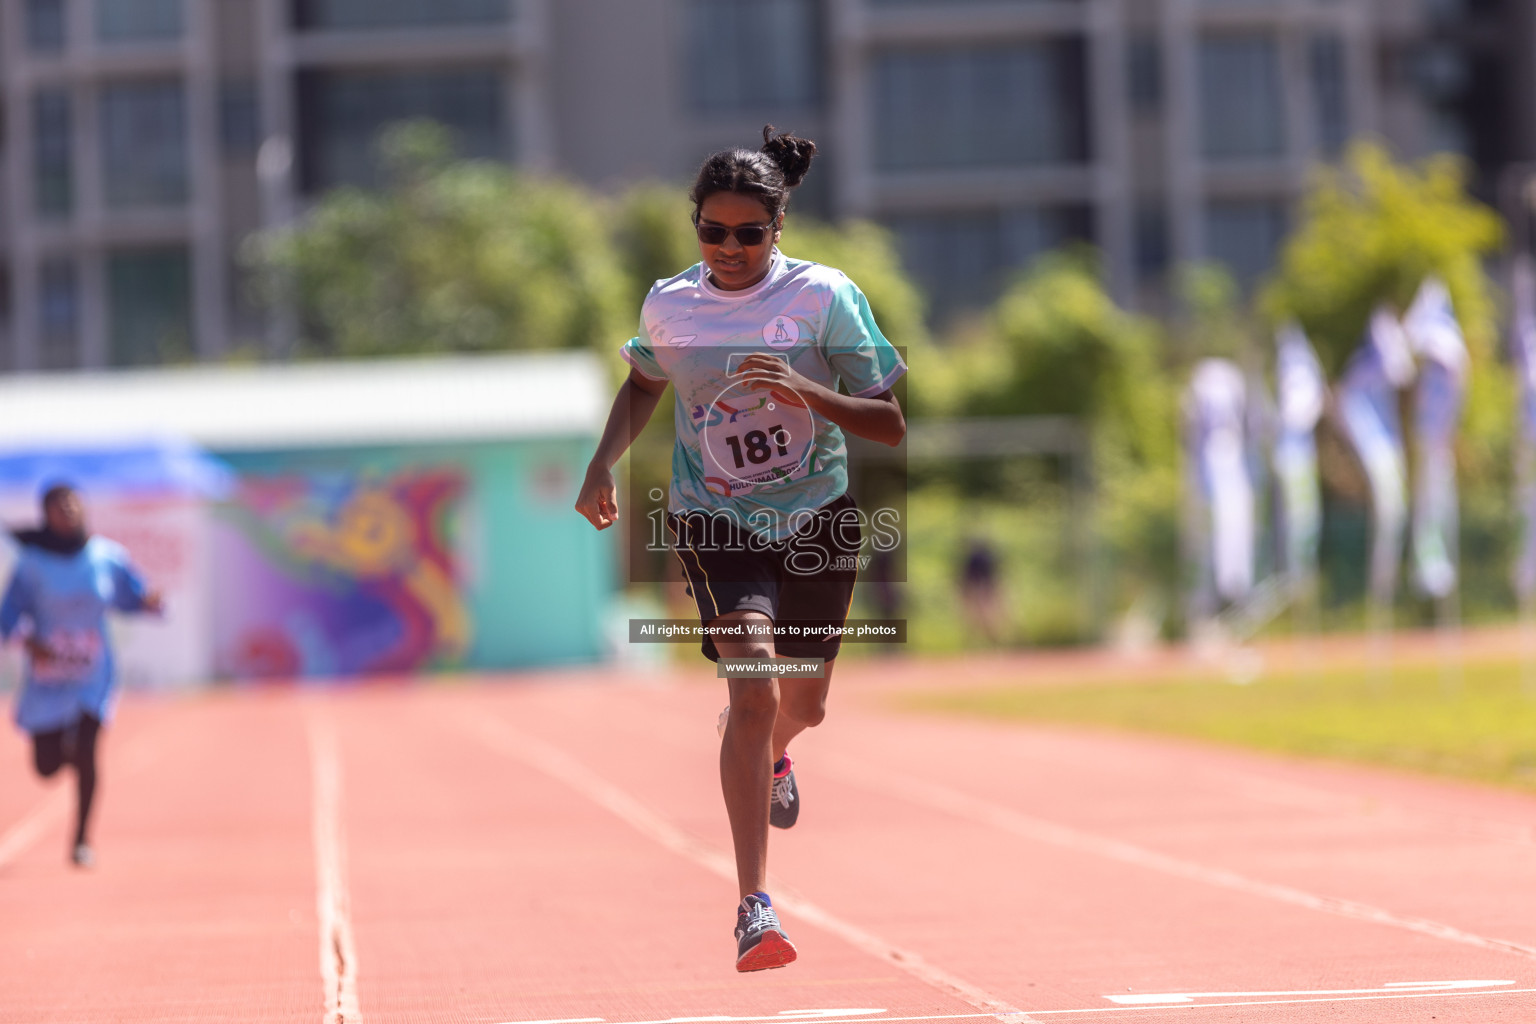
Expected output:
(784, 802)
(760, 940)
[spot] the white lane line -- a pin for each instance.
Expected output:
(963, 805)
(338, 954)
(1103, 1009)
(557, 764)
(1391, 986)
(54, 807)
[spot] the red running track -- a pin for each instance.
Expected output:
(555, 849)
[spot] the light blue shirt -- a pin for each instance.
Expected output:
(66, 599)
(760, 454)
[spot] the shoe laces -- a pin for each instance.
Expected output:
(756, 915)
(784, 790)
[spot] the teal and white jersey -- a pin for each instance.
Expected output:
(762, 455)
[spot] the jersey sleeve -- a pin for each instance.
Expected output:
(640, 351)
(16, 604)
(855, 348)
(128, 586)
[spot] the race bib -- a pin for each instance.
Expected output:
(76, 653)
(754, 439)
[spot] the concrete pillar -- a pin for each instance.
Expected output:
(1181, 113)
(851, 110)
(1109, 116)
(529, 104)
(208, 248)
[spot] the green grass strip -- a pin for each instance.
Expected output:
(1478, 723)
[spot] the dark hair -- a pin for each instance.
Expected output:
(57, 492)
(766, 174)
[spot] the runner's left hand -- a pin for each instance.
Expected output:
(154, 603)
(761, 371)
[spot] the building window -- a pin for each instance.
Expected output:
(1144, 73)
(144, 143)
(345, 14)
(993, 106)
(964, 260)
(135, 20)
(47, 29)
(1241, 113)
(1330, 100)
(754, 54)
(53, 169)
(341, 114)
(149, 297)
(58, 315)
(239, 118)
(1153, 247)
(1245, 236)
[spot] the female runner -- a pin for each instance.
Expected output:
(755, 345)
(64, 583)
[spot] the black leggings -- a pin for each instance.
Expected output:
(76, 745)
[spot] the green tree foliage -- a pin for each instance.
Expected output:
(654, 238)
(1056, 344)
(449, 257)
(1371, 231)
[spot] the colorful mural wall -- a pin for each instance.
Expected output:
(395, 560)
(342, 575)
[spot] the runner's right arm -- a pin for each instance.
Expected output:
(632, 409)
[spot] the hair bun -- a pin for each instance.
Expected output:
(792, 153)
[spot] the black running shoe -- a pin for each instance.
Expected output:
(760, 940)
(784, 802)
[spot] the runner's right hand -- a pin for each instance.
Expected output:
(596, 500)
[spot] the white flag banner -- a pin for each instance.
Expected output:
(1367, 402)
(1439, 396)
(1215, 418)
(1301, 391)
(1523, 355)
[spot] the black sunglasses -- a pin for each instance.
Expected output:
(747, 234)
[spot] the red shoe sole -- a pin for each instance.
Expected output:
(773, 951)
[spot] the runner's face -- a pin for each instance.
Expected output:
(65, 514)
(733, 266)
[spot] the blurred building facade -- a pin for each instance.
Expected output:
(141, 141)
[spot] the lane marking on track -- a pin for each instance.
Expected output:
(54, 807)
(1377, 995)
(963, 805)
(1391, 986)
(338, 953)
(557, 764)
(782, 1015)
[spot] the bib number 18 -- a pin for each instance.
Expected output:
(758, 450)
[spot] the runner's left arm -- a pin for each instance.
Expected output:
(861, 358)
(877, 417)
(130, 593)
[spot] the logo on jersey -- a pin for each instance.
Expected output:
(781, 331)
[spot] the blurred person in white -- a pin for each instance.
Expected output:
(1439, 395)
(755, 345)
(1302, 393)
(1367, 405)
(1223, 527)
(64, 583)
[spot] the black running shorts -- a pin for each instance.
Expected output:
(804, 581)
